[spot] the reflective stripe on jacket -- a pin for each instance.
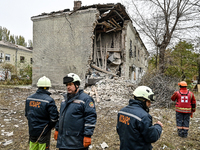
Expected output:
(40, 110)
(135, 129)
(77, 119)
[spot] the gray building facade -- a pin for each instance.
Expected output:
(99, 37)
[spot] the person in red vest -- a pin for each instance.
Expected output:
(185, 107)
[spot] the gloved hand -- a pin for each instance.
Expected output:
(56, 135)
(86, 141)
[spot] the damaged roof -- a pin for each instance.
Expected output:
(107, 10)
(111, 18)
(117, 11)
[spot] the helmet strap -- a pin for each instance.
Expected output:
(146, 108)
(139, 98)
(44, 88)
(76, 86)
(145, 105)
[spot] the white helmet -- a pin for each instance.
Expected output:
(144, 92)
(71, 77)
(44, 82)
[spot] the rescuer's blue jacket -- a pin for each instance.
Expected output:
(77, 119)
(135, 127)
(40, 110)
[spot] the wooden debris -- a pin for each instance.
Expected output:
(99, 69)
(97, 95)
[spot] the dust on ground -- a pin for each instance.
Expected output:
(113, 94)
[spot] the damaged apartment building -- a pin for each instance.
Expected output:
(98, 37)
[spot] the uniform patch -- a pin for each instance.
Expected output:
(91, 104)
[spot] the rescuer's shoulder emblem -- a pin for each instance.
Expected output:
(91, 104)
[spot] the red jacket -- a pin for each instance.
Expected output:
(186, 102)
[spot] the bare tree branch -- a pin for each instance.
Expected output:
(163, 21)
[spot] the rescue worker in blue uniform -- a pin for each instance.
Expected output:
(77, 117)
(42, 115)
(134, 125)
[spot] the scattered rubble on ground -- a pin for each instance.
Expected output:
(112, 94)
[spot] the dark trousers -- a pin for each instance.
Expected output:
(182, 122)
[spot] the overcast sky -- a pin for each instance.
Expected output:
(15, 15)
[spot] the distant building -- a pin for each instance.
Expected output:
(100, 37)
(15, 54)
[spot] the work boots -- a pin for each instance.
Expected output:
(185, 133)
(182, 133)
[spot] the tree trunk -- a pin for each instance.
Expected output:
(156, 64)
(162, 60)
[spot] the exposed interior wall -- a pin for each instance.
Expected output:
(107, 51)
(62, 44)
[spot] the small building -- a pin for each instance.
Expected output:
(96, 37)
(16, 55)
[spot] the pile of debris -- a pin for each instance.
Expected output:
(116, 90)
(105, 89)
(119, 91)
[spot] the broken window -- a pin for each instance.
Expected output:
(138, 55)
(140, 70)
(130, 50)
(134, 51)
(7, 57)
(1, 57)
(22, 58)
(145, 60)
(132, 73)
